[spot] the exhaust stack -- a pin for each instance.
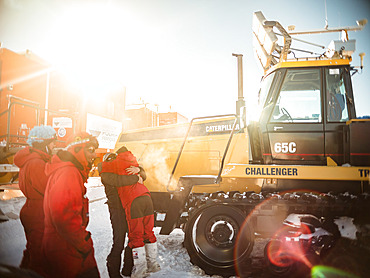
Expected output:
(240, 102)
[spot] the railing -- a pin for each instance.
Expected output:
(30, 104)
(186, 137)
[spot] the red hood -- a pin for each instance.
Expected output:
(118, 165)
(57, 162)
(28, 153)
(128, 157)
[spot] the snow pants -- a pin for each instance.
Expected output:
(64, 261)
(119, 227)
(140, 220)
(32, 219)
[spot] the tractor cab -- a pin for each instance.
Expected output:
(306, 103)
(304, 114)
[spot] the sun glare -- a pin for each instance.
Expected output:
(85, 44)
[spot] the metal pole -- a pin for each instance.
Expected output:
(240, 75)
(218, 179)
(240, 102)
(124, 110)
(47, 97)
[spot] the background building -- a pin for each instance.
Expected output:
(171, 118)
(33, 93)
(143, 115)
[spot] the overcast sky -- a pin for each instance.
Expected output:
(174, 53)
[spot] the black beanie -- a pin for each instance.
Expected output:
(122, 150)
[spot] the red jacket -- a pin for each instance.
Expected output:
(32, 178)
(32, 182)
(127, 193)
(66, 241)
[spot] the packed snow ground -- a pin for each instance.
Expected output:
(172, 256)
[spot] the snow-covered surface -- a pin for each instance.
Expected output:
(173, 257)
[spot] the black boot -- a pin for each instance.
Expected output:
(113, 266)
(128, 262)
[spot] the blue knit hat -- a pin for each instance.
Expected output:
(40, 134)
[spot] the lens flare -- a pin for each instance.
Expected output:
(285, 250)
(321, 271)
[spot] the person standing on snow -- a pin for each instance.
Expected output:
(139, 211)
(32, 182)
(67, 244)
(118, 217)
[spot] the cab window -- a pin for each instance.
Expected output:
(265, 88)
(336, 96)
(299, 98)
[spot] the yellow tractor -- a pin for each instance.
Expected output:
(298, 177)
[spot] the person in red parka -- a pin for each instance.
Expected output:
(32, 182)
(67, 245)
(118, 217)
(138, 206)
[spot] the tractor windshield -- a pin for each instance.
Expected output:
(300, 97)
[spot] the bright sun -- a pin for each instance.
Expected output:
(84, 44)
